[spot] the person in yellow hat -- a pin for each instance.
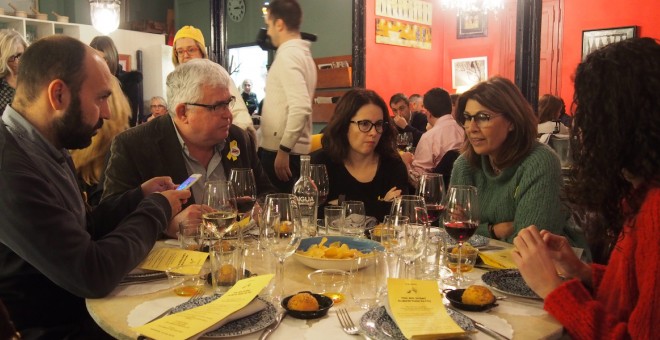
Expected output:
(188, 45)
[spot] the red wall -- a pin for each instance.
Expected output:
(391, 69)
(594, 14)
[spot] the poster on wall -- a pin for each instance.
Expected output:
(595, 39)
(394, 32)
(467, 72)
(417, 11)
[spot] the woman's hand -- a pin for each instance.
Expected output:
(392, 194)
(157, 184)
(503, 230)
(533, 259)
(566, 262)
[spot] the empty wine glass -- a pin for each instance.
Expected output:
(412, 240)
(320, 178)
(432, 188)
(461, 220)
(354, 219)
(282, 233)
(245, 188)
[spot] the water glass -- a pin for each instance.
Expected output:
(190, 234)
(354, 219)
(334, 219)
(369, 279)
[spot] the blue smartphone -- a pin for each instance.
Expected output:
(189, 182)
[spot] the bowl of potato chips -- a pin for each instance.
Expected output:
(334, 252)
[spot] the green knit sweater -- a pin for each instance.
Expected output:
(526, 193)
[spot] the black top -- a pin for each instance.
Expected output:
(391, 172)
(251, 101)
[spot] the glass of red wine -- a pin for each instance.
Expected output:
(432, 188)
(244, 188)
(461, 219)
(404, 141)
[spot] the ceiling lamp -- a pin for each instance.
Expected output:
(105, 15)
(473, 5)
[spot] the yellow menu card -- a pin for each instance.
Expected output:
(498, 259)
(164, 258)
(417, 308)
(200, 319)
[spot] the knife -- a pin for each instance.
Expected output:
(273, 327)
(478, 325)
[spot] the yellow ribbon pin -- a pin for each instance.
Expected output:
(234, 151)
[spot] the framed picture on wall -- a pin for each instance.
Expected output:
(595, 39)
(125, 62)
(471, 25)
(466, 72)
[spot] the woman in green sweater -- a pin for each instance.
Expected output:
(518, 179)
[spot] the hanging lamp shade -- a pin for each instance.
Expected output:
(105, 15)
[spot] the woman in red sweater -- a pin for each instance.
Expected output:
(615, 186)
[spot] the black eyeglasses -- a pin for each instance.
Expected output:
(228, 104)
(482, 118)
(14, 57)
(366, 125)
(157, 106)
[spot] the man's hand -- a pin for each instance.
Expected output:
(157, 184)
(400, 121)
(407, 158)
(281, 166)
(193, 211)
(176, 198)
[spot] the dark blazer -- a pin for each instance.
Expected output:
(153, 149)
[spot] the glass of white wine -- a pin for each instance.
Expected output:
(219, 231)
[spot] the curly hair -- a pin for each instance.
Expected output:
(617, 128)
(335, 136)
(550, 108)
(502, 96)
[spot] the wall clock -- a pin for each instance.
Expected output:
(236, 10)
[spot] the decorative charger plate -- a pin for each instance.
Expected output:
(508, 281)
(361, 244)
(141, 275)
(378, 325)
(249, 324)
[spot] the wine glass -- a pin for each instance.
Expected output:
(404, 141)
(282, 233)
(411, 241)
(354, 218)
(461, 220)
(320, 178)
(432, 188)
(245, 188)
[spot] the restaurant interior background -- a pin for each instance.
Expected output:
(390, 69)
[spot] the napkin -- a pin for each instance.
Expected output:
(498, 259)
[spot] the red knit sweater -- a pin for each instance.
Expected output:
(626, 302)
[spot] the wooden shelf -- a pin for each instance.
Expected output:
(334, 78)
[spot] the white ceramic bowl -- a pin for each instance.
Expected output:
(20, 14)
(363, 245)
(62, 18)
(41, 16)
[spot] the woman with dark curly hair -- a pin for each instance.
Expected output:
(518, 179)
(360, 155)
(617, 177)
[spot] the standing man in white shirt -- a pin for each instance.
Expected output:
(286, 121)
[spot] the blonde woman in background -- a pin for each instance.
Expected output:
(90, 162)
(12, 46)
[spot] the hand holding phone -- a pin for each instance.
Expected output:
(189, 182)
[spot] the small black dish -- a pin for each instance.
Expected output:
(454, 297)
(246, 274)
(324, 305)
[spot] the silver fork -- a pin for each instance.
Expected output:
(346, 322)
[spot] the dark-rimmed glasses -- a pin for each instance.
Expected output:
(482, 118)
(227, 104)
(366, 125)
(14, 57)
(159, 106)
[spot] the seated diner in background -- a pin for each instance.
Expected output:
(618, 124)
(360, 155)
(550, 109)
(54, 251)
(197, 136)
(518, 179)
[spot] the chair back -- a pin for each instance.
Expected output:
(446, 164)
